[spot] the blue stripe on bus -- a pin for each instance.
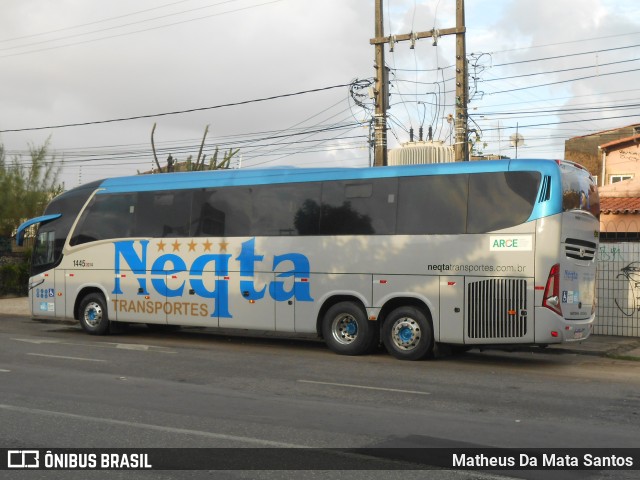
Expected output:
(250, 176)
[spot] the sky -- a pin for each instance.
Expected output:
(286, 81)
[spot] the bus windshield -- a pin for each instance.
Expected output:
(52, 235)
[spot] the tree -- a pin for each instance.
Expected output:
(190, 166)
(26, 186)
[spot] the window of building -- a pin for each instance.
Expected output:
(619, 178)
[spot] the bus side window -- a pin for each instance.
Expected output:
(209, 221)
(359, 207)
(163, 214)
(433, 205)
(286, 209)
(106, 217)
(501, 199)
(221, 212)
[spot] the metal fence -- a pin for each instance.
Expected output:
(618, 289)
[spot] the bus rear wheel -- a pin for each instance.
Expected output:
(94, 318)
(347, 331)
(407, 334)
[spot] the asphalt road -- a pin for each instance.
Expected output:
(63, 388)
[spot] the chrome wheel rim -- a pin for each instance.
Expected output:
(344, 329)
(93, 314)
(406, 333)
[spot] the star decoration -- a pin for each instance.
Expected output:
(161, 246)
(223, 246)
(207, 246)
(192, 246)
(176, 246)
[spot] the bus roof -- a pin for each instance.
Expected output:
(251, 176)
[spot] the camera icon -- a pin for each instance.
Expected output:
(23, 459)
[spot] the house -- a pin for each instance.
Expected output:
(620, 210)
(613, 158)
(620, 189)
(620, 160)
(587, 150)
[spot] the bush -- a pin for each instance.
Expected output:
(5, 245)
(14, 278)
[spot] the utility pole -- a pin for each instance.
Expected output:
(381, 95)
(462, 87)
(382, 81)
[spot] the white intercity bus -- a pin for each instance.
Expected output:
(465, 254)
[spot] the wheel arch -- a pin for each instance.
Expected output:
(407, 301)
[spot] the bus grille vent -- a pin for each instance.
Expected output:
(497, 308)
(579, 249)
(545, 191)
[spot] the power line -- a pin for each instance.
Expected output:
(138, 31)
(559, 71)
(72, 27)
(246, 144)
(115, 27)
(599, 94)
(562, 81)
(297, 152)
(564, 122)
(556, 57)
(569, 110)
(566, 43)
(177, 112)
(305, 130)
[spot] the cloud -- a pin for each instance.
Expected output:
(123, 60)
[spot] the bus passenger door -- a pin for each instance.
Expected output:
(451, 309)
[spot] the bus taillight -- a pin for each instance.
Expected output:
(551, 297)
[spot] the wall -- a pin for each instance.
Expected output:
(618, 289)
(623, 162)
(619, 226)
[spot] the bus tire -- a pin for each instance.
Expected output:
(407, 334)
(347, 331)
(93, 315)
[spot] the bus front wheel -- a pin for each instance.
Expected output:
(347, 331)
(94, 318)
(407, 334)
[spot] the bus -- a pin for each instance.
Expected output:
(412, 257)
